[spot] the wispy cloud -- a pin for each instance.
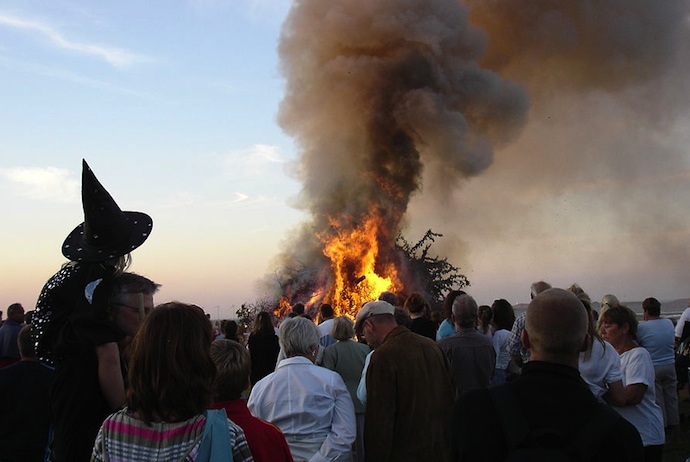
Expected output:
(114, 56)
(40, 69)
(49, 184)
(236, 198)
(254, 161)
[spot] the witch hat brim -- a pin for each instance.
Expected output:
(107, 232)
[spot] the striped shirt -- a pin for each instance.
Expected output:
(124, 438)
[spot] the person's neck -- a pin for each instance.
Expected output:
(625, 345)
(571, 362)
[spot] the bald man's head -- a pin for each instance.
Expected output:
(556, 326)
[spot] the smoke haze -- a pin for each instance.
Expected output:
(523, 131)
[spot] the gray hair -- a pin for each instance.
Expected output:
(538, 287)
(131, 283)
(609, 300)
(298, 337)
(465, 311)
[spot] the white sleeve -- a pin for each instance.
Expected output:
(254, 402)
(613, 361)
(639, 368)
(681, 322)
(362, 387)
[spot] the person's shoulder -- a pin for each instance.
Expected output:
(366, 349)
(666, 322)
(262, 384)
(472, 397)
(473, 409)
(412, 340)
(639, 353)
(446, 342)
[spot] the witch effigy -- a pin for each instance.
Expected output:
(73, 322)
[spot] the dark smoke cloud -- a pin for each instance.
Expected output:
(597, 184)
(389, 98)
(377, 91)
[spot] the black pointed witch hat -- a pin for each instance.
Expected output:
(107, 232)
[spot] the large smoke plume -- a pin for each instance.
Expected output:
(390, 99)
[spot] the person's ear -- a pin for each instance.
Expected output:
(524, 339)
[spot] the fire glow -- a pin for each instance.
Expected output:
(353, 254)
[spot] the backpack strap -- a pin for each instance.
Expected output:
(216, 443)
(513, 421)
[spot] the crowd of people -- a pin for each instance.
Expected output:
(98, 372)
(377, 392)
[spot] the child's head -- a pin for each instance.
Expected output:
(233, 367)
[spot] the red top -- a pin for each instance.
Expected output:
(266, 441)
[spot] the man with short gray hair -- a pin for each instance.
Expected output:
(471, 353)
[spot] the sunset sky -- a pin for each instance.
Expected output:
(174, 105)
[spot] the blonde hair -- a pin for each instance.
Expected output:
(343, 328)
(233, 367)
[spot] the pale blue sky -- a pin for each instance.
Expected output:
(174, 103)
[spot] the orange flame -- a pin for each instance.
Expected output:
(357, 276)
(283, 308)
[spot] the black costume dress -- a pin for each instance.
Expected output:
(71, 321)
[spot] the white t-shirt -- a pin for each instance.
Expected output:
(601, 368)
(681, 322)
(656, 336)
(646, 416)
(325, 327)
(362, 387)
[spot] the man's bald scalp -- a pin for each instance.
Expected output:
(556, 323)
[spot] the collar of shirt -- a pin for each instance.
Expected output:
(294, 360)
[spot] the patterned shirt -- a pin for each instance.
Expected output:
(127, 439)
(514, 343)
